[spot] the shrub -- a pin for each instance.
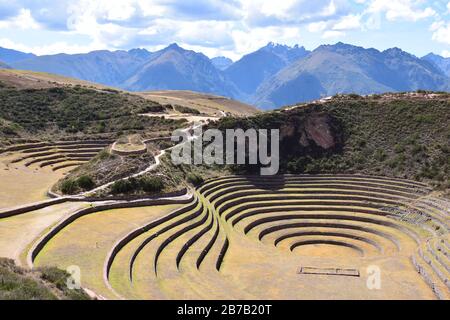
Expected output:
(122, 186)
(184, 109)
(398, 148)
(416, 149)
(69, 186)
(195, 179)
(103, 155)
(380, 155)
(85, 182)
(153, 184)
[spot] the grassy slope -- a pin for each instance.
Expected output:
(395, 135)
(74, 111)
(205, 103)
(44, 284)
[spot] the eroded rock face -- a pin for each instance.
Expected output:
(319, 129)
(316, 133)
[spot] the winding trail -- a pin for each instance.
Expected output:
(152, 167)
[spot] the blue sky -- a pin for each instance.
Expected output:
(215, 27)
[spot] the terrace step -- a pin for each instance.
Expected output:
(429, 276)
(68, 165)
(381, 241)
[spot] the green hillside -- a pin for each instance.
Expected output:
(69, 111)
(398, 135)
(45, 284)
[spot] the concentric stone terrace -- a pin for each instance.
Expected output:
(58, 155)
(252, 238)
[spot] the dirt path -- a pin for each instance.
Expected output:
(141, 173)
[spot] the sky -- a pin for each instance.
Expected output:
(230, 28)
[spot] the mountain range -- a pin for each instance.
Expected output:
(270, 77)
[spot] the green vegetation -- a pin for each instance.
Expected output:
(136, 185)
(103, 169)
(393, 135)
(68, 111)
(71, 186)
(195, 179)
(44, 284)
(152, 184)
(85, 182)
(184, 109)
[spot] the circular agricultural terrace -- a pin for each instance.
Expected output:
(282, 237)
(235, 237)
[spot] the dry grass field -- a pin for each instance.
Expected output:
(205, 103)
(26, 175)
(87, 241)
(283, 237)
(21, 184)
(25, 79)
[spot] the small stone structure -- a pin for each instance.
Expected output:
(129, 146)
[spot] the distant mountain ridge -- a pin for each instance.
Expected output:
(273, 76)
(253, 69)
(4, 66)
(441, 62)
(221, 63)
(10, 56)
(177, 68)
(343, 68)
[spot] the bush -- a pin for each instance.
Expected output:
(195, 179)
(69, 186)
(153, 184)
(85, 182)
(183, 109)
(122, 186)
(380, 155)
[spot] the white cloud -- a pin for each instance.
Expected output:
(441, 32)
(250, 40)
(53, 48)
(317, 26)
(336, 28)
(348, 22)
(231, 27)
(409, 10)
(289, 12)
(333, 34)
(445, 53)
(23, 20)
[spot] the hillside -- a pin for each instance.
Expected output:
(441, 62)
(10, 56)
(396, 135)
(270, 77)
(4, 66)
(104, 67)
(176, 68)
(205, 103)
(253, 69)
(221, 63)
(44, 284)
(24, 79)
(343, 68)
(68, 112)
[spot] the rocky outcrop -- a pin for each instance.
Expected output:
(316, 134)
